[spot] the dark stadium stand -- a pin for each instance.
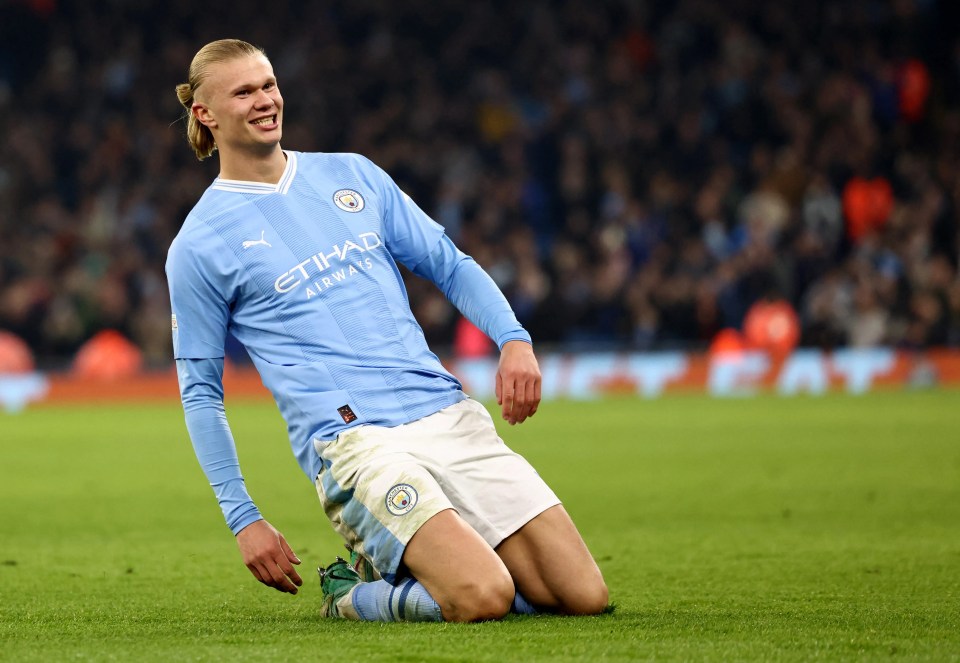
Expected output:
(634, 175)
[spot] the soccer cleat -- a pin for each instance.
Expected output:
(336, 581)
(363, 566)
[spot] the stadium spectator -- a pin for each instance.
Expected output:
(577, 149)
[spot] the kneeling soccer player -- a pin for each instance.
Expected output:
(295, 254)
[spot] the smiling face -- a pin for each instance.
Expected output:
(240, 103)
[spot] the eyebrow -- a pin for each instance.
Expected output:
(247, 86)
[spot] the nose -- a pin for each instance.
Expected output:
(263, 100)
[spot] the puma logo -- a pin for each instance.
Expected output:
(254, 242)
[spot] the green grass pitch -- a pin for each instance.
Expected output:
(763, 529)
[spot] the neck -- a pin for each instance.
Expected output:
(267, 168)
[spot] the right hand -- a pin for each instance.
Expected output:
(269, 558)
(518, 382)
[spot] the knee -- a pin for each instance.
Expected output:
(590, 598)
(481, 601)
(491, 602)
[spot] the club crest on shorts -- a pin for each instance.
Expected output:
(401, 499)
(348, 200)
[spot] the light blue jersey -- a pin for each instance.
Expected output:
(303, 274)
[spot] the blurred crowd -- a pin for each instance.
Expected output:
(632, 174)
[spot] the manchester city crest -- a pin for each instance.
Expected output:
(348, 200)
(401, 499)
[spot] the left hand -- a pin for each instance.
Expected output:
(518, 382)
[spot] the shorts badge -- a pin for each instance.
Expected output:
(401, 499)
(348, 200)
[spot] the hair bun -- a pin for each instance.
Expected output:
(185, 95)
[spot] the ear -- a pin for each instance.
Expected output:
(203, 115)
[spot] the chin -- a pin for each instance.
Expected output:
(271, 141)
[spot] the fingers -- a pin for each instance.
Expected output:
(285, 566)
(506, 404)
(521, 398)
(276, 573)
(271, 575)
(528, 406)
(287, 550)
(269, 557)
(536, 397)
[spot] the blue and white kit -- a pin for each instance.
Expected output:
(303, 273)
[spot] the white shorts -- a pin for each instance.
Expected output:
(379, 485)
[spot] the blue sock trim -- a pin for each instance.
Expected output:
(373, 602)
(521, 606)
(402, 602)
(393, 615)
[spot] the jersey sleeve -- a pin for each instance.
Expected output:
(201, 390)
(199, 306)
(421, 245)
(409, 232)
(472, 291)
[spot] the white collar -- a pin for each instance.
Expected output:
(262, 188)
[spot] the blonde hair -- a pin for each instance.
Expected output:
(222, 50)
